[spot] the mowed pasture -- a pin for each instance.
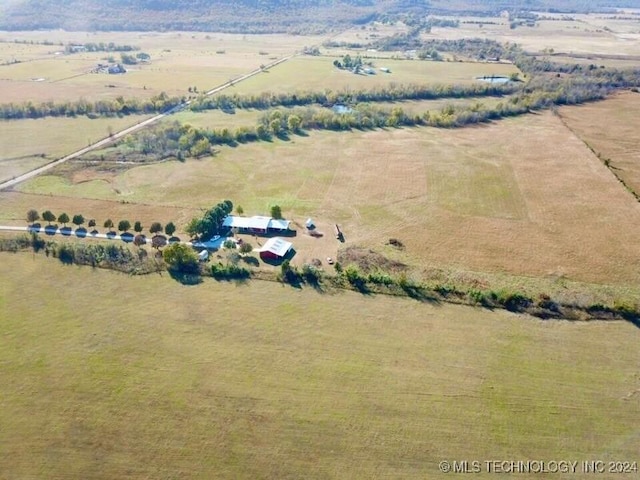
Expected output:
(523, 196)
(579, 36)
(179, 61)
(30, 143)
(317, 73)
(611, 129)
(111, 376)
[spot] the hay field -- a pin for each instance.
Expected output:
(318, 73)
(178, 61)
(563, 36)
(611, 129)
(30, 143)
(486, 198)
(110, 376)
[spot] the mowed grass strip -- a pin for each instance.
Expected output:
(109, 376)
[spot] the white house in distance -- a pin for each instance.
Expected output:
(275, 249)
(257, 224)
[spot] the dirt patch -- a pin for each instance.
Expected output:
(368, 260)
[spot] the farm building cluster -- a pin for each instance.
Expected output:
(112, 69)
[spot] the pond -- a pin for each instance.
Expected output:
(493, 79)
(342, 109)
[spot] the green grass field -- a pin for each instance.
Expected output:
(318, 73)
(109, 376)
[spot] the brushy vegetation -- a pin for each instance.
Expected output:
(181, 260)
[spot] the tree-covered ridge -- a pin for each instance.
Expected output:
(256, 15)
(221, 15)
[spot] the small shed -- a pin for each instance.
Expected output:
(309, 224)
(203, 255)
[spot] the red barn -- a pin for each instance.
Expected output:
(275, 249)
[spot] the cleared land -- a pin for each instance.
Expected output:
(27, 144)
(178, 61)
(318, 73)
(279, 383)
(484, 198)
(579, 36)
(618, 142)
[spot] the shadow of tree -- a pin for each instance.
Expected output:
(188, 279)
(253, 261)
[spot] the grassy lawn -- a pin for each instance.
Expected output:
(263, 381)
(26, 144)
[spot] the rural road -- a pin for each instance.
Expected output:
(52, 230)
(116, 136)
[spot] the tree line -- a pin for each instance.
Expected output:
(79, 220)
(100, 108)
(174, 139)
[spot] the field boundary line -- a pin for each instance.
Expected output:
(604, 161)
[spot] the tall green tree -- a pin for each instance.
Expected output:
(137, 227)
(156, 227)
(169, 228)
(33, 216)
(124, 225)
(63, 218)
(276, 212)
(77, 220)
(181, 258)
(108, 224)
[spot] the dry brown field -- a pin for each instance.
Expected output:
(523, 197)
(611, 129)
(178, 61)
(30, 143)
(578, 36)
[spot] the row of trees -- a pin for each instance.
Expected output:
(542, 91)
(100, 108)
(100, 47)
(388, 93)
(79, 220)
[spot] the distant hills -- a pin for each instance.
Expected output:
(294, 16)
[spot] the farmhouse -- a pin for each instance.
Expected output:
(275, 249)
(116, 69)
(257, 224)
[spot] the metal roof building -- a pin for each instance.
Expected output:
(275, 247)
(257, 223)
